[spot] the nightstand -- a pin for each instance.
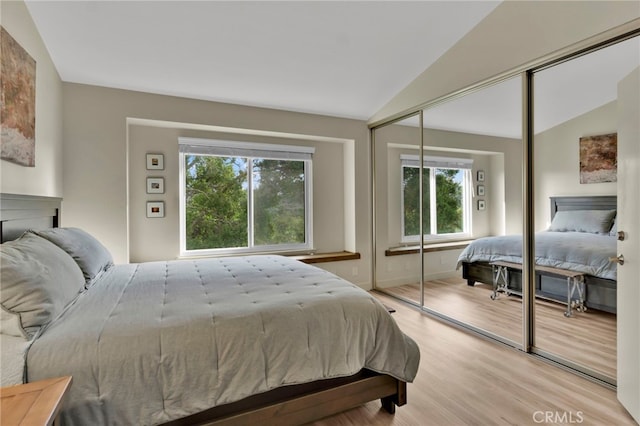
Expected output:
(35, 403)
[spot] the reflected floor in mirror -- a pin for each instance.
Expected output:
(587, 338)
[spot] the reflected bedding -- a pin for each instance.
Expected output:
(575, 251)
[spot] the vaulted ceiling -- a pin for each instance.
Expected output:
(337, 58)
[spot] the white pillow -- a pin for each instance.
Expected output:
(10, 324)
(12, 359)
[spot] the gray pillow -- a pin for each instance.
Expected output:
(91, 256)
(592, 221)
(614, 228)
(38, 281)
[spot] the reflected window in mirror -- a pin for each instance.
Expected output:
(447, 198)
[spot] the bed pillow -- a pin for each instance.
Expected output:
(91, 256)
(14, 346)
(614, 228)
(592, 221)
(10, 324)
(12, 359)
(39, 280)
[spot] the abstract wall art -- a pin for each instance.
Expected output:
(599, 158)
(17, 102)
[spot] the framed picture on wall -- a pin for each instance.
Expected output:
(18, 106)
(155, 208)
(155, 185)
(155, 162)
(481, 205)
(480, 176)
(481, 190)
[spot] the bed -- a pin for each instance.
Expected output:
(239, 340)
(581, 238)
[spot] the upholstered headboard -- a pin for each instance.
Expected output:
(21, 212)
(593, 202)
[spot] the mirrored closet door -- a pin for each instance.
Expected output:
(472, 192)
(449, 183)
(397, 261)
(577, 115)
(442, 186)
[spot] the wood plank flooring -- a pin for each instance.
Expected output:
(587, 338)
(467, 380)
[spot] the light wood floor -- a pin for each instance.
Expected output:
(467, 380)
(587, 338)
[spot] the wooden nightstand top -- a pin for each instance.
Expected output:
(35, 403)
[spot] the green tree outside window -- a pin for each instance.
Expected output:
(449, 204)
(220, 190)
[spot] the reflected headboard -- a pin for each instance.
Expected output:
(21, 212)
(593, 202)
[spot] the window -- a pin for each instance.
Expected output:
(446, 202)
(242, 197)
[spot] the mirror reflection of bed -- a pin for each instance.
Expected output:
(572, 263)
(567, 109)
(588, 336)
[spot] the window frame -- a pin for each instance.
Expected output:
(432, 163)
(249, 151)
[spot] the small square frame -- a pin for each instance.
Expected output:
(481, 205)
(155, 208)
(480, 191)
(155, 185)
(155, 162)
(480, 176)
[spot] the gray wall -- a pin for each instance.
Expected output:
(159, 239)
(107, 130)
(557, 160)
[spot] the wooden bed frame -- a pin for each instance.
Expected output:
(295, 404)
(600, 292)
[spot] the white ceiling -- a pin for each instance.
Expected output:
(345, 59)
(561, 92)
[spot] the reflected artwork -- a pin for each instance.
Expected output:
(599, 158)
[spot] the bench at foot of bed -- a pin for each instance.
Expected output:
(599, 293)
(575, 283)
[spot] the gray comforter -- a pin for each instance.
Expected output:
(574, 251)
(157, 341)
